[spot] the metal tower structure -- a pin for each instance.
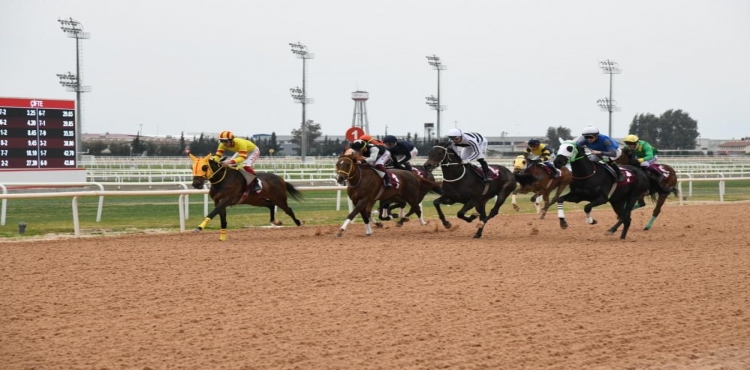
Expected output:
(607, 104)
(432, 101)
(359, 118)
(71, 82)
(300, 95)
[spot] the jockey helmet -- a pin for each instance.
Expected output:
(358, 145)
(631, 139)
(454, 132)
(590, 130)
(533, 142)
(226, 135)
(366, 138)
(389, 139)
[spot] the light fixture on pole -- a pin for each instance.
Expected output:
(74, 29)
(436, 64)
(611, 68)
(300, 51)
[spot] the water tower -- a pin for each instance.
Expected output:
(359, 119)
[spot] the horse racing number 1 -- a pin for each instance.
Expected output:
(37, 133)
(354, 133)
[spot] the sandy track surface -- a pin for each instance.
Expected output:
(526, 296)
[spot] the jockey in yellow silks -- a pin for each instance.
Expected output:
(245, 154)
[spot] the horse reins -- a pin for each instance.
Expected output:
(444, 164)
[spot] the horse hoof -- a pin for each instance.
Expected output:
(593, 222)
(379, 225)
(516, 208)
(276, 223)
(400, 224)
(338, 233)
(197, 230)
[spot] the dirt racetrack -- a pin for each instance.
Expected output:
(525, 296)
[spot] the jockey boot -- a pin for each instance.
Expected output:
(618, 173)
(555, 173)
(406, 166)
(386, 180)
(485, 169)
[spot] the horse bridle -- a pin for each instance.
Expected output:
(350, 174)
(444, 163)
(205, 174)
(593, 165)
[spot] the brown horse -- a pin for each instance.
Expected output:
(228, 185)
(365, 187)
(663, 180)
(543, 186)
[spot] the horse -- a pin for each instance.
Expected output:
(663, 182)
(463, 183)
(364, 187)
(543, 186)
(228, 185)
(594, 183)
(385, 209)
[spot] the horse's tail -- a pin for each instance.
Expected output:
(293, 192)
(524, 179)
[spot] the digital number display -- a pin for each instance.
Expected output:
(37, 133)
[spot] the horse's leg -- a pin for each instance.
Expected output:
(561, 213)
(272, 210)
(467, 206)
(219, 209)
(289, 212)
(366, 212)
(358, 209)
(626, 210)
(513, 200)
(436, 203)
(223, 222)
(594, 203)
(548, 202)
(481, 209)
(657, 209)
(537, 200)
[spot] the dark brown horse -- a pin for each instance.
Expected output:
(365, 187)
(663, 182)
(592, 182)
(385, 209)
(463, 184)
(228, 185)
(543, 185)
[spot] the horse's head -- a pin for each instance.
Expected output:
(519, 164)
(567, 153)
(440, 154)
(346, 166)
(202, 170)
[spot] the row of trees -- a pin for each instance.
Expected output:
(674, 129)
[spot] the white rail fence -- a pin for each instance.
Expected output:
(184, 192)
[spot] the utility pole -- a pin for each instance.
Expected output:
(433, 101)
(71, 82)
(300, 95)
(608, 104)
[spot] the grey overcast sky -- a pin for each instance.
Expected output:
(517, 67)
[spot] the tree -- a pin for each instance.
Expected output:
(555, 134)
(674, 129)
(312, 131)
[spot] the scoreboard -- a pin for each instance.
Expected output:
(37, 133)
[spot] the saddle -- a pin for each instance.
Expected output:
(494, 173)
(659, 170)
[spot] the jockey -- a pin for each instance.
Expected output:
(603, 147)
(642, 150)
(401, 151)
(369, 140)
(473, 146)
(536, 151)
(245, 154)
(376, 156)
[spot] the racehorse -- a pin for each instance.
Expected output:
(364, 187)
(228, 185)
(663, 182)
(592, 182)
(463, 183)
(543, 185)
(385, 209)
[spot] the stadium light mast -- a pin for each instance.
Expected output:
(433, 101)
(74, 29)
(300, 95)
(607, 104)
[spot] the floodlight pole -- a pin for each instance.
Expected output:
(433, 101)
(609, 67)
(74, 29)
(300, 95)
